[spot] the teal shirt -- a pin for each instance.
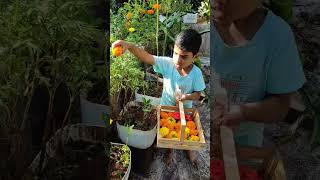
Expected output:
(268, 64)
(171, 79)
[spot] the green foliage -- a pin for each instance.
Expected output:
(197, 62)
(147, 106)
(143, 23)
(45, 42)
(125, 74)
(204, 9)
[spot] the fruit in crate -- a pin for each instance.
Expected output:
(246, 173)
(164, 122)
(177, 127)
(164, 131)
(171, 120)
(191, 125)
(173, 135)
(163, 115)
(194, 138)
(170, 126)
(176, 115)
(194, 132)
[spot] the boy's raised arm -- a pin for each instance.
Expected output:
(141, 54)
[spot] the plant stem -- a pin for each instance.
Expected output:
(27, 108)
(66, 117)
(157, 32)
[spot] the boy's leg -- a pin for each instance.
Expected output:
(169, 157)
(192, 157)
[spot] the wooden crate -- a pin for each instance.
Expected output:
(180, 144)
(266, 161)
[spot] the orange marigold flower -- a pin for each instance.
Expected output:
(129, 16)
(150, 11)
(117, 51)
(156, 6)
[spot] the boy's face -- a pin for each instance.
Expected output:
(227, 11)
(182, 59)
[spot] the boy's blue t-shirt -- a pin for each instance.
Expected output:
(171, 79)
(268, 64)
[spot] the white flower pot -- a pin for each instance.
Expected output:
(92, 113)
(137, 138)
(126, 176)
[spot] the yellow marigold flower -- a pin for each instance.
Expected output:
(132, 29)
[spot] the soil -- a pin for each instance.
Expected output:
(134, 115)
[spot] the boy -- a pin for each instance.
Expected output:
(178, 72)
(255, 54)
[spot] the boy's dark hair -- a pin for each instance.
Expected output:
(189, 40)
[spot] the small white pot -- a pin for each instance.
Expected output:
(137, 138)
(92, 113)
(155, 101)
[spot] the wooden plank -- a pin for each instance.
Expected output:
(229, 154)
(183, 121)
(180, 146)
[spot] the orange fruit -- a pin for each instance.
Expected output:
(171, 126)
(194, 132)
(163, 122)
(178, 126)
(191, 125)
(163, 115)
(170, 114)
(150, 11)
(117, 51)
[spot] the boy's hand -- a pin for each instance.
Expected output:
(181, 97)
(125, 45)
(234, 117)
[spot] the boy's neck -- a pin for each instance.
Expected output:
(185, 71)
(243, 30)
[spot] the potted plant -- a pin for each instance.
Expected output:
(120, 161)
(142, 115)
(126, 77)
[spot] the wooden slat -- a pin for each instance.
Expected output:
(229, 154)
(183, 121)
